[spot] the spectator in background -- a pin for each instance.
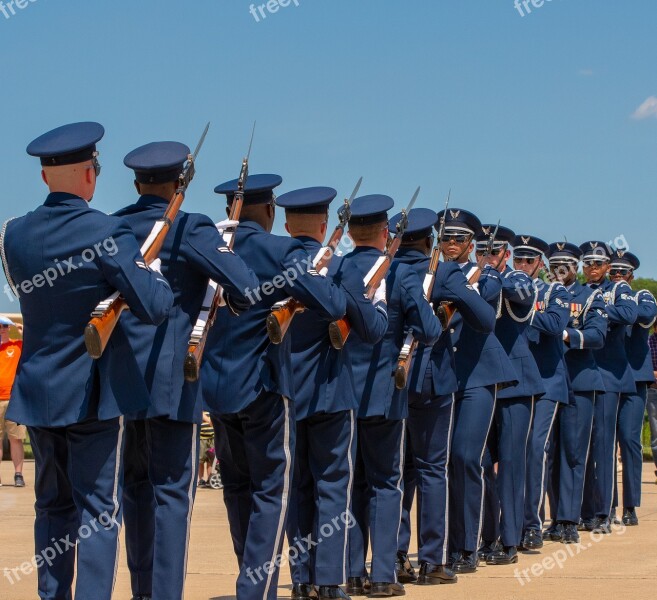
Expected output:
(205, 458)
(10, 353)
(652, 398)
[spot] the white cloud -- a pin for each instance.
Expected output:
(647, 109)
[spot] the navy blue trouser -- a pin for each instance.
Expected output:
(320, 503)
(601, 466)
(474, 410)
(161, 458)
(409, 484)
(256, 449)
(573, 446)
(78, 486)
(377, 497)
(513, 419)
(630, 425)
(545, 414)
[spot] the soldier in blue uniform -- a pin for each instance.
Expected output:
(161, 452)
(586, 332)
(545, 335)
(481, 364)
(325, 402)
(430, 396)
(509, 436)
(248, 387)
(377, 498)
(612, 360)
(72, 405)
(632, 406)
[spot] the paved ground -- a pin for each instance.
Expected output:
(621, 564)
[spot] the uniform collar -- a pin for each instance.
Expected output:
(64, 198)
(251, 225)
(150, 200)
(308, 241)
(367, 250)
(410, 253)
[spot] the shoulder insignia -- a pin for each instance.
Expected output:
(142, 265)
(225, 249)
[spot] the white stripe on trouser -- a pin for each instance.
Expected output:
(541, 498)
(285, 495)
(613, 464)
(349, 491)
(190, 505)
(449, 453)
(588, 450)
(529, 430)
(483, 481)
(402, 457)
(115, 495)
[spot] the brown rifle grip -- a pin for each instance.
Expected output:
(280, 319)
(404, 367)
(98, 331)
(192, 364)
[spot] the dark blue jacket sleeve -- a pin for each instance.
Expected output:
(417, 311)
(370, 322)
(647, 309)
(519, 289)
(490, 286)
(303, 283)
(147, 293)
(554, 319)
(594, 329)
(624, 310)
(205, 249)
(452, 286)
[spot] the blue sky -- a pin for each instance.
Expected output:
(527, 119)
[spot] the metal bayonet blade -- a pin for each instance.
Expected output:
(353, 194)
(412, 202)
(200, 142)
(248, 154)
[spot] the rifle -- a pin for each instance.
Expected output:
(106, 315)
(446, 311)
(410, 343)
(339, 330)
(213, 293)
(282, 313)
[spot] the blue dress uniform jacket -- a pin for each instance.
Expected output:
(546, 336)
(450, 285)
(636, 342)
(518, 297)
(373, 368)
(587, 329)
(612, 359)
(193, 252)
(239, 361)
(87, 256)
(481, 360)
(323, 379)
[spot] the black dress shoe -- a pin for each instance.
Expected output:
(327, 592)
(533, 540)
(435, 574)
(554, 533)
(358, 586)
(468, 563)
(304, 591)
(570, 534)
(141, 598)
(629, 517)
(613, 519)
(453, 558)
(486, 549)
(405, 570)
(507, 555)
(602, 525)
(385, 590)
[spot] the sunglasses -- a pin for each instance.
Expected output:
(95, 165)
(621, 272)
(522, 259)
(594, 263)
(493, 252)
(459, 238)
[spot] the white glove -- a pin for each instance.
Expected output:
(565, 336)
(222, 299)
(156, 266)
(380, 294)
(226, 224)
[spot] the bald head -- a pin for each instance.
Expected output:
(308, 225)
(78, 179)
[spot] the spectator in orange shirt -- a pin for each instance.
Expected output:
(10, 353)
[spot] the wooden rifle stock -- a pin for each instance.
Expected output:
(339, 330)
(107, 314)
(409, 348)
(447, 310)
